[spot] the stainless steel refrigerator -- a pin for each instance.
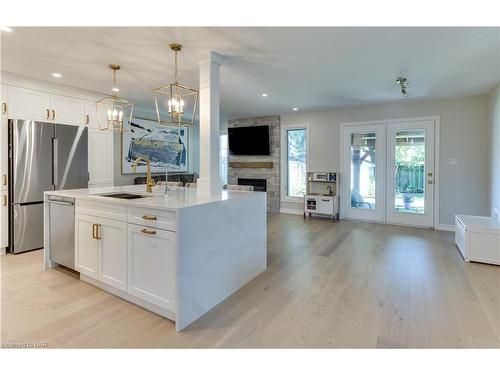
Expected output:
(42, 157)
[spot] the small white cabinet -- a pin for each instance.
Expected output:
(152, 265)
(478, 238)
(66, 110)
(100, 151)
(27, 104)
(101, 249)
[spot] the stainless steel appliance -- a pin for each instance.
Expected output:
(42, 157)
(62, 231)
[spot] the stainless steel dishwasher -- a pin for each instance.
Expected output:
(62, 231)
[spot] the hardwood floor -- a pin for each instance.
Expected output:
(328, 285)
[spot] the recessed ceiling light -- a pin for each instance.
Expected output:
(6, 29)
(57, 75)
(264, 95)
(295, 109)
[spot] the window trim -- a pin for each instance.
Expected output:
(284, 167)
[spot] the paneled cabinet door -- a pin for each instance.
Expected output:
(151, 265)
(4, 151)
(66, 110)
(100, 160)
(4, 219)
(90, 117)
(87, 245)
(5, 101)
(27, 104)
(113, 264)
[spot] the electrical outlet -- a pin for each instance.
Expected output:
(453, 161)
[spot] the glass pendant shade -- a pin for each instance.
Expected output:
(175, 103)
(114, 113)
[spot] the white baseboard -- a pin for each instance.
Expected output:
(445, 227)
(3, 251)
(291, 211)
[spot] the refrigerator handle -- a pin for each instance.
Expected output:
(55, 165)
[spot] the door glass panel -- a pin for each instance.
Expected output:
(363, 171)
(409, 180)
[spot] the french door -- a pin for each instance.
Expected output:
(364, 156)
(410, 173)
(388, 172)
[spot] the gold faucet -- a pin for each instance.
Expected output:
(149, 180)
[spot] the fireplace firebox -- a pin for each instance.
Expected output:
(259, 184)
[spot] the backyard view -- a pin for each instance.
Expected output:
(410, 171)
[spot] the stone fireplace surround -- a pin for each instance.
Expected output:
(271, 175)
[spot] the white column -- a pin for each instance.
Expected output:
(209, 181)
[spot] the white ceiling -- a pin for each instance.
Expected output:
(309, 68)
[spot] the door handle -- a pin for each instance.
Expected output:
(430, 182)
(93, 231)
(55, 162)
(4, 179)
(48, 114)
(146, 231)
(147, 217)
(97, 234)
(87, 119)
(53, 114)
(4, 108)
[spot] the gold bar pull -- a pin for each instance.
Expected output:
(48, 114)
(146, 231)
(4, 108)
(4, 179)
(97, 235)
(53, 114)
(87, 119)
(93, 231)
(147, 217)
(5, 200)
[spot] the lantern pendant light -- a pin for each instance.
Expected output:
(113, 112)
(175, 103)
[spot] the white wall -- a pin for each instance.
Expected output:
(193, 156)
(464, 135)
(494, 123)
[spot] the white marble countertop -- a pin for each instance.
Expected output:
(176, 198)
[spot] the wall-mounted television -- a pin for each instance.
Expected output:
(249, 140)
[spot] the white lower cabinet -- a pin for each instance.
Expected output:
(152, 265)
(4, 219)
(101, 249)
(86, 246)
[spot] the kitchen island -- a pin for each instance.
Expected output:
(178, 253)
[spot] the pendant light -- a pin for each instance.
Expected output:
(113, 112)
(175, 103)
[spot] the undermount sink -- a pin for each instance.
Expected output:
(121, 195)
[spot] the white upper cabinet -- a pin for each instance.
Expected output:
(90, 117)
(100, 146)
(4, 145)
(5, 101)
(66, 110)
(27, 104)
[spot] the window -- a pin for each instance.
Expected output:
(223, 158)
(296, 162)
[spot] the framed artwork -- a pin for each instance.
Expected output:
(165, 146)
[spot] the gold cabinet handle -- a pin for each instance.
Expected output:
(48, 114)
(93, 231)
(4, 179)
(5, 200)
(146, 231)
(87, 119)
(97, 234)
(4, 108)
(147, 217)
(53, 114)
